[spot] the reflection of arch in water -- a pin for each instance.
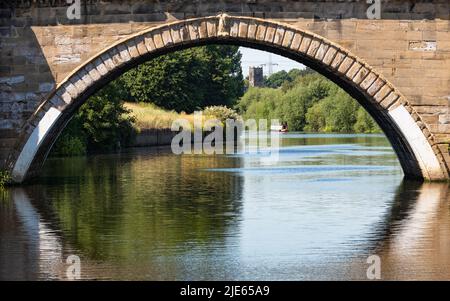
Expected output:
(415, 236)
(379, 97)
(138, 213)
(44, 253)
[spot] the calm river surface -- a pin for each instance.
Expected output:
(317, 214)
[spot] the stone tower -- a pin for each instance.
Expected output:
(256, 77)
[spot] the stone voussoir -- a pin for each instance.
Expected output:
(313, 47)
(279, 35)
(383, 93)
(243, 30)
(389, 100)
(270, 34)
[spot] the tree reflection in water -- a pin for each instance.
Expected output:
(156, 216)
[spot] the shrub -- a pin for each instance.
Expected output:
(221, 113)
(5, 178)
(69, 145)
(101, 124)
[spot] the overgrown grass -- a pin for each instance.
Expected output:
(149, 116)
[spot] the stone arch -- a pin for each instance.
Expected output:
(411, 139)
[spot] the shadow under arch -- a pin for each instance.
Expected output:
(406, 132)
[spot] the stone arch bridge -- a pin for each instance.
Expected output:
(397, 67)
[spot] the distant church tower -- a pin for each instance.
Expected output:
(256, 76)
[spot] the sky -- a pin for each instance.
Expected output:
(253, 57)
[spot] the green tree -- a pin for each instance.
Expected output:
(101, 124)
(335, 113)
(260, 103)
(188, 80)
(285, 79)
(182, 81)
(277, 79)
(309, 102)
(105, 123)
(365, 123)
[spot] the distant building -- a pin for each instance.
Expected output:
(256, 77)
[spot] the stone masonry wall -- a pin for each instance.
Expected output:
(39, 46)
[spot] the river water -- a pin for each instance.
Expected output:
(318, 213)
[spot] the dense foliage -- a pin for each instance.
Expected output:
(307, 102)
(281, 78)
(188, 80)
(209, 77)
(5, 179)
(101, 124)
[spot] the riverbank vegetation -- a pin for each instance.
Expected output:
(149, 116)
(5, 179)
(188, 80)
(102, 124)
(207, 79)
(307, 102)
(175, 85)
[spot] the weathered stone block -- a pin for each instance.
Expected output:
(313, 47)
(193, 31)
(361, 75)
(270, 34)
(57, 102)
(345, 65)
(296, 41)
(184, 32)
(354, 69)
(279, 35)
(376, 86)
(212, 28)
(166, 37)
(389, 100)
(330, 55)
(338, 59)
(71, 89)
(87, 80)
(243, 29)
(306, 41)
(382, 93)
(175, 33)
(368, 81)
(234, 28)
(261, 32)
(157, 39)
(287, 39)
(322, 51)
(107, 61)
(78, 83)
(140, 45)
(203, 30)
(100, 66)
(64, 95)
(252, 30)
(93, 72)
